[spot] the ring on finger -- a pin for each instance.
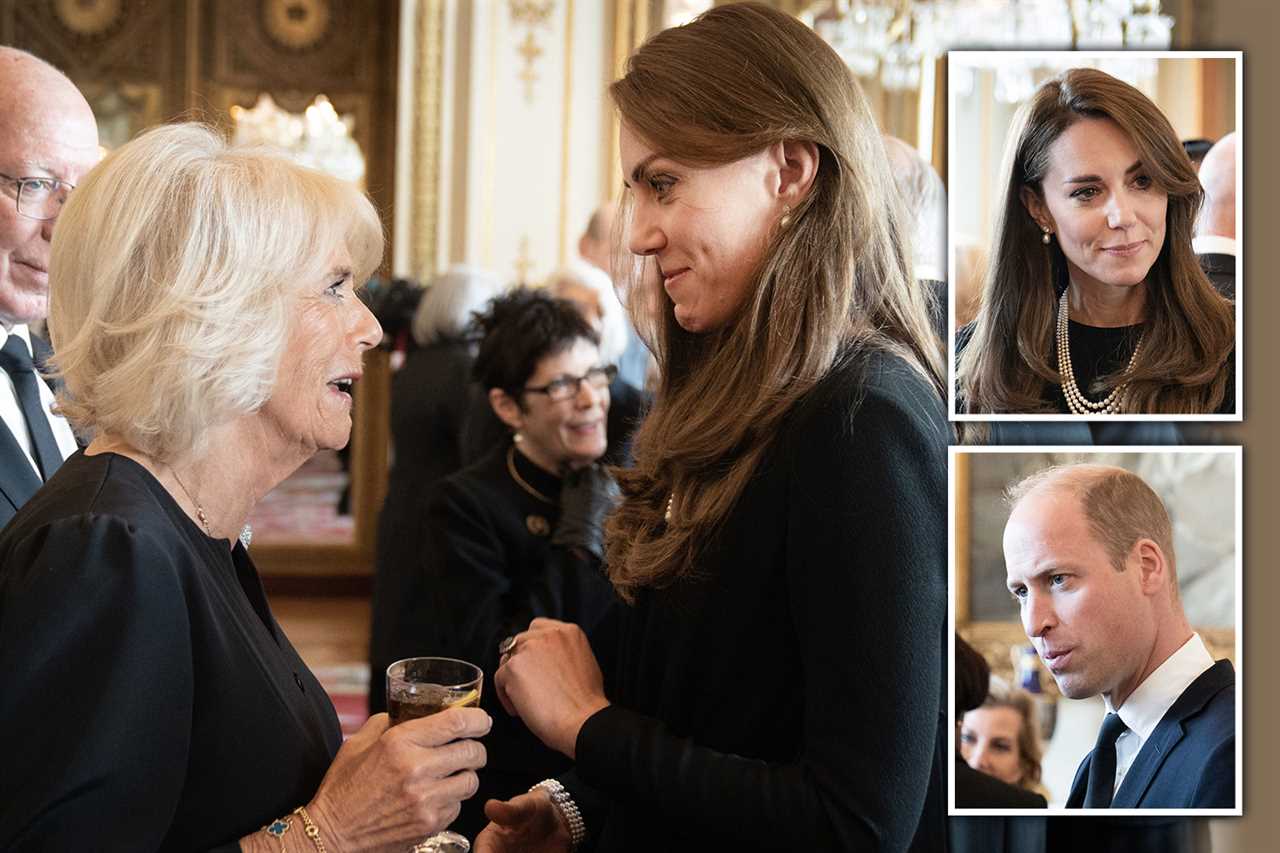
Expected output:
(507, 646)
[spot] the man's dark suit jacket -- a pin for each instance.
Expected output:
(1221, 270)
(1189, 762)
(18, 480)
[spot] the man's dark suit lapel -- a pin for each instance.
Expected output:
(1075, 800)
(18, 480)
(1168, 732)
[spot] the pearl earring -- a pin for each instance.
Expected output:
(1044, 238)
(786, 216)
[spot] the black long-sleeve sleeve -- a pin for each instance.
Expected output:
(816, 725)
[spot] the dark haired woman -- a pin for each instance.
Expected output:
(777, 684)
(518, 534)
(1094, 302)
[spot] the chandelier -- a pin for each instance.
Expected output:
(319, 137)
(892, 38)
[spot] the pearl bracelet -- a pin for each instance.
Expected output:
(568, 809)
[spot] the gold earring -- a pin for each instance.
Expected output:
(786, 216)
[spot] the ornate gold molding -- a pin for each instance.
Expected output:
(532, 14)
(428, 75)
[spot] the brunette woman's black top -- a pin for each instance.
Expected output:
(788, 694)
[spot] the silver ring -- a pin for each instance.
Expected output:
(507, 646)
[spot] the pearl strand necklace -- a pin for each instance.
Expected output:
(1113, 403)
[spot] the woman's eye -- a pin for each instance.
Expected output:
(1142, 182)
(1085, 193)
(661, 185)
(335, 289)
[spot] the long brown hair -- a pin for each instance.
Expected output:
(1190, 328)
(835, 282)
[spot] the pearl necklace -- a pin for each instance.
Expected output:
(1114, 402)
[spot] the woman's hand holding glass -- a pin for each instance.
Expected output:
(551, 681)
(389, 787)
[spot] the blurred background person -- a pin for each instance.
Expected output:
(635, 362)
(799, 375)
(149, 700)
(1093, 301)
(590, 292)
(1215, 240)
(1001, 738)
(1196, 149)
(925, 198)
(519, 533)
(431, 397)
(48, 140)
(978, 790)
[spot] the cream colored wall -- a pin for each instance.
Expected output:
(521, 117)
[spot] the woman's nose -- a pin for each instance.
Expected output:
(367, 329)
(644, 237)
(1120, 211)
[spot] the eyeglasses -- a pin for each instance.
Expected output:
(39, 198)
(566, 387)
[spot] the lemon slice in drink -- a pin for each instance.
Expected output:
(471, 697)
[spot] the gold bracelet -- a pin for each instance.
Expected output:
(277, 828)
(312, 831)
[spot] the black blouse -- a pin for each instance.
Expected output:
(148, 698)
(788, 695)
(487, 571)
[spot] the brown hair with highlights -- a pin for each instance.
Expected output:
(836, 283)
(1190, 334)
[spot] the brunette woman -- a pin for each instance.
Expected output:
(1094, 302)
(777, 683)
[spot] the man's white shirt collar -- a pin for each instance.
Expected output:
(1143, 710)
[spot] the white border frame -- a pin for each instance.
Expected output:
(1235, 450)
(1238, 57)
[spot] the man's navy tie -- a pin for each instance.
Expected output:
(1102, 766)
(16, 360)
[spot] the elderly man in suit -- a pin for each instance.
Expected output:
(1215, 239)
(1089, 557)
(48, 140)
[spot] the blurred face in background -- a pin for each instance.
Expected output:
(560, 434)
(989, 742)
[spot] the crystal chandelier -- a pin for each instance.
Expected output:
(891, 38)
(319, 138)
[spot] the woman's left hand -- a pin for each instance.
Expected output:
(551, 681)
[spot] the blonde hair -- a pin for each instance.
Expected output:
(1000, 694)
(171, 273)
(835, 284)
(449, 304)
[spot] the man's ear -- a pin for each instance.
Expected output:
(1149, 559)
(797, 164)
(506, 408)
(1037, 209)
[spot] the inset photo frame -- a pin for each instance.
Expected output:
(1094, 234)
(1088, 584)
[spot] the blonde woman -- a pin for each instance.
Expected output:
(206, 323)
(1000, 737)
(781, 536)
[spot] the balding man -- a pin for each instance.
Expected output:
(1089, 558)
(596, 248)
(1215, 238)
(48, 140)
